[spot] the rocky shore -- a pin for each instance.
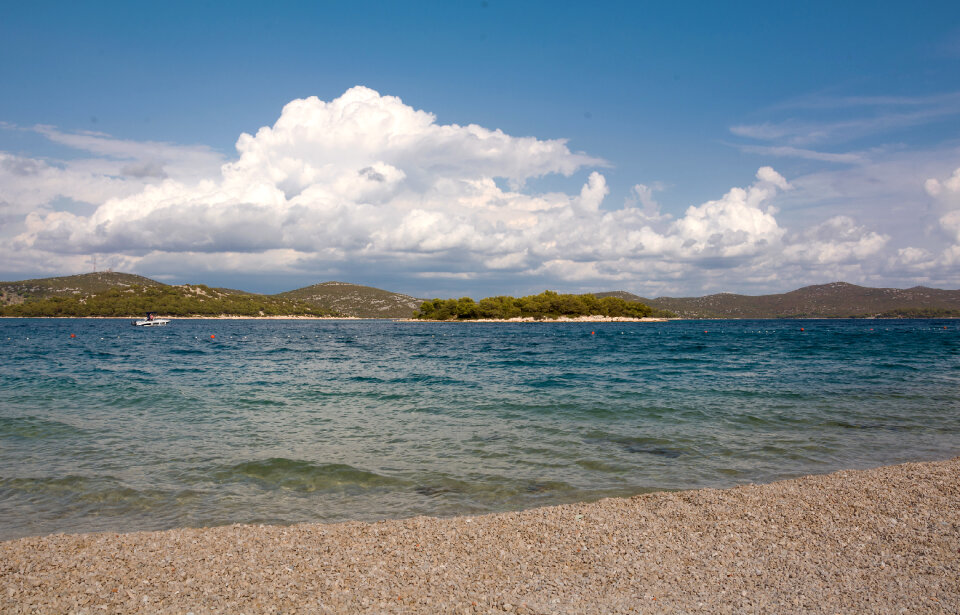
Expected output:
(885, 540)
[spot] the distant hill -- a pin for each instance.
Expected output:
(136, 292)
(834, 300)
(355, 300)
(69, 286)
(125, 294)
(182, 300)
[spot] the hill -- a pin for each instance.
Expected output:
(91, 295)
(182, 300)
(355, 300)
(125, 294)
(834, 300)
(12, 293)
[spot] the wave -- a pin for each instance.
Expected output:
(33, 427)
(871, 425)
(186, 351)
(299, 475)
(660, 447)
(102, 494)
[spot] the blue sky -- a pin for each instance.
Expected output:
(659, 148)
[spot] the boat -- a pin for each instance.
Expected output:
(151, 320)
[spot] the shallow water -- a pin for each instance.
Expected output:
(124, 428)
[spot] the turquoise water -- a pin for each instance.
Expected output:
(124, 428)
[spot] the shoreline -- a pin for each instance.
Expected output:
(174, 318)
(882, 540)
(563, 319)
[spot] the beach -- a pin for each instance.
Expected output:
(883, 540)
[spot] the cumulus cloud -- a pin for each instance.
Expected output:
(937, 263)
(137, 159)
(947, 189)
(365, 180)
(946, 193)
(837, 240)
(27, 184)
(119, 169)
(642, 194)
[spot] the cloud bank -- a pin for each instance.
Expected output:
(365, 182)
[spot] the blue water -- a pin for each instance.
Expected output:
(124, 428)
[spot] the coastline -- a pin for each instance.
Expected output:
(883, 540)
(546, 320)
(174, 318)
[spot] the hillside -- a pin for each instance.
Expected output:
(182, 300)
(124, 294)
(12, 293)
(356, 300)
(834, 300)
(90, 294)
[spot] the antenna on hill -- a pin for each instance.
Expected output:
(94, 263)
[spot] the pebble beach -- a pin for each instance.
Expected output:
(884, 540)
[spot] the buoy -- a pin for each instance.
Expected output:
(801, 328)
(73, 335)
(212, 336)
(593, 333)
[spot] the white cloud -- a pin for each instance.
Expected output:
(940, 263)
(837, 240)
(29, 183)
(365, 181)
(740, 223)
(787, 151)
(946, 194)
(121, 169)
(138, 159)
(643, 194)
(947, 189)
(876, 115)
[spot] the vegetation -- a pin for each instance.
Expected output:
(186, 300)
(107, 293)
(546, 305)
(834, 300)
(918, 313)
(355, 300)
(69, 286)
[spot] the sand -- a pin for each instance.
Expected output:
(885, 540)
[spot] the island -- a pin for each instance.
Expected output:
(548, 305)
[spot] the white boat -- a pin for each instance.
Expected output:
(150, 321)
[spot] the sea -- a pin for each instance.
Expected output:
(105, 427)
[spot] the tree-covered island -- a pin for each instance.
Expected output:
(547, 305)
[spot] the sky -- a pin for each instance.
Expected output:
(474, 148)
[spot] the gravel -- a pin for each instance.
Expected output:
(885, 540)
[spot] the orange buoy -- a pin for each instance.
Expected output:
(212, 336)
(801, 328)
(73, 335)
(593, 333)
